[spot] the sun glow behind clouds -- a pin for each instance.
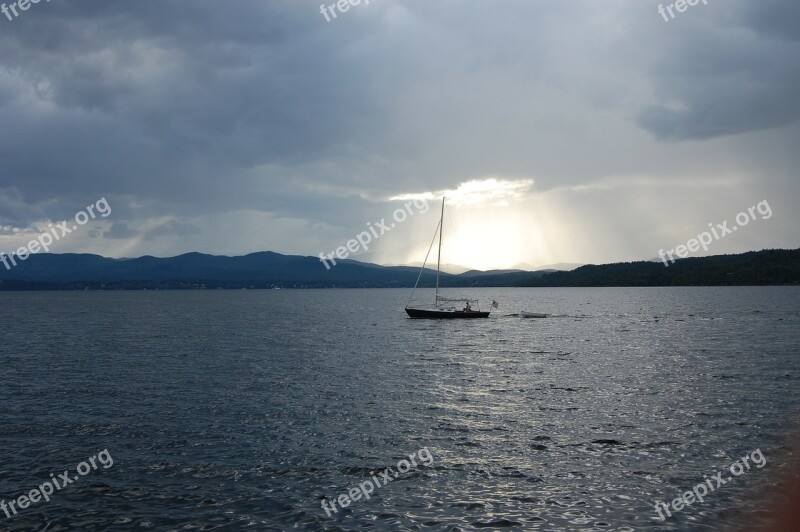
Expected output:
(477, 192)
(484, 221)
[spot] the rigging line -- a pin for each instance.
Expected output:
(438, 226)
(453, 225)
(444, 247)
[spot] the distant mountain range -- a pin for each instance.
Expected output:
(455, 269)
(560, 266)
(767, 267)
(273, 270)
(521, 267)
(197, 270)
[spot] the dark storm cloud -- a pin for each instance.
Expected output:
(174, 227)
(740, 74)
(777, 19)
(184, 112)
(172, 99)
(120, 230)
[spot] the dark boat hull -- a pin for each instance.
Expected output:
(444, 315)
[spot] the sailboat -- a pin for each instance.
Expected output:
(443, 307)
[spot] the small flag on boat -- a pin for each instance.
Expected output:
(494, 304)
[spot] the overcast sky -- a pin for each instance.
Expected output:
(562, 130)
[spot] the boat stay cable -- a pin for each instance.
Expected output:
(424, 263)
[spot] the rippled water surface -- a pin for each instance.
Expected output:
(244, 410)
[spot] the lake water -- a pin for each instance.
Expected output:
(245, 410)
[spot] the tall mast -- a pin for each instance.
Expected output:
(439, 259)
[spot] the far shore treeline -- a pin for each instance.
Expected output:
(49, 271)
